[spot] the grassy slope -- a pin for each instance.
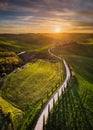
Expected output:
(34, 43)
(16, 46)
(38, 42)
(24, 42)
(76, 105)
(37, 76)
(28, 87)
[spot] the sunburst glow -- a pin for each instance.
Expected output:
(58, 30)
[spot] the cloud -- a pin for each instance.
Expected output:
(47, 13)
(3, 5)
(83, 24)
(85, 13)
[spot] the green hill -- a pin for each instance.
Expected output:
(75, 108)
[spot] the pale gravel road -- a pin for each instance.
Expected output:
(49, 106)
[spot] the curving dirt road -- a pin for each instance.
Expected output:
(44, 115)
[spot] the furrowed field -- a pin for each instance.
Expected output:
(74, 110)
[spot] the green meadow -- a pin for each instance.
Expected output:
(25, 42)
(30, 88)
(12, 44)
(28, 85)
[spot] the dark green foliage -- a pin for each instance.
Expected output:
(5, 121)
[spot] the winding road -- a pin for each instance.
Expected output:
(44, 115)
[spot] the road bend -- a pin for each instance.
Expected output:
(44, 115)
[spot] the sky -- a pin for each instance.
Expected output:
(44, 16)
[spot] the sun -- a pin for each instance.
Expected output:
(58, 30)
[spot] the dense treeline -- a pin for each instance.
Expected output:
(8, 62)
(7, 54)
